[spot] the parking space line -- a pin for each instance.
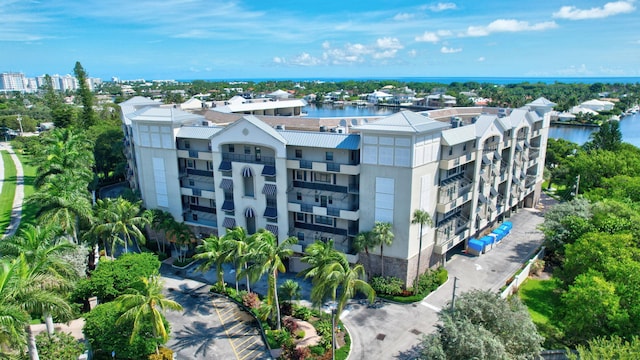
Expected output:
(227, 332)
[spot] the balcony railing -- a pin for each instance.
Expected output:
(207, 173)
(249, 158)
(321, 228)
(320, 186)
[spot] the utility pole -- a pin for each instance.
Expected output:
(453, 298)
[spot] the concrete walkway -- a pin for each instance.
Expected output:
(16, 212)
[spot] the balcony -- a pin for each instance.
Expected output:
(190, 191)
(444, 245)
(320, 186)
(194, 154)
(530, 180)
(353, 214)
(322, 166)
(205, 209)
(451, 161)
(321, 228)
(354, 189)
(248, 158)
(203, 218)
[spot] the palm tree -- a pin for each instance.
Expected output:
(159, 220)
(120, 221)
(340, 282)
(64, 151)
(24, 292)
(268, 257)
(317, 255)
(420, 217)
(238, 246)
(363, 242)
(43, 250)
(383, 236)
(213, 252)
(182, 237)
(146, 306)
(290, 290)
(63, 204)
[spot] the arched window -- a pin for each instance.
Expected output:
(247, 176)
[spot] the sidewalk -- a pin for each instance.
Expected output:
(16, 212)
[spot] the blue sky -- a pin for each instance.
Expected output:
(211, 39)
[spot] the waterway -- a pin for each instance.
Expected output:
(629, 125)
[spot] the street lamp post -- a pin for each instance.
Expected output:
(333, 333)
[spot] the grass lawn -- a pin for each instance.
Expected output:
(28, 211)
(542, 297)
(8, 191)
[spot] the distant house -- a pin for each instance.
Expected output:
(279, 95)
(378, 97)
(193, 104)
(598, 105)
(438, 101)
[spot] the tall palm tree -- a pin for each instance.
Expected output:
(43, 250)
(383, 236)
(268, 257)
(213, 252)
(238, 245)
(146, 305)
(26, 291)
(120, 221)
(423, 218)
(63, 151)
(317, 255)
(64, 204)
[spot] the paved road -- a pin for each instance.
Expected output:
(393, 330)
(16, 212)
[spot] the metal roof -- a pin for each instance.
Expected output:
(405, 121)
(197, 132)
(321, 140)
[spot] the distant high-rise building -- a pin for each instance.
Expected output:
(13, 81)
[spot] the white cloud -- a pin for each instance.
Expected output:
(609, 9)
(575, 70)
(428, 37)
(279, 60)
(448, 50)
(480, 59)
(389, 43)
(441, 6)
(305, 59)
(508, 25)
(412, 53)
(403, 16)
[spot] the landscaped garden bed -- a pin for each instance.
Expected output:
(392, 288)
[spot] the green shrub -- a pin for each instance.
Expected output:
(388, 285)
(302, 312)
(60, 346)
(300, 334)
(317, 350)
(219, 289)
(277, 338)
(323, 327)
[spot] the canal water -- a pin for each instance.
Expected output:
(629, 125)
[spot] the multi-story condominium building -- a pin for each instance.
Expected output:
(12, 81)
(467, 167)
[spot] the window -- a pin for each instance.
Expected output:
(248, 186)
(299, 195)
(209, 165)
(194, 200)
(299, 153)
(324, 220)
(328, 156)
(209, 146)
(300, 175)
(192, 183)
(464, 148)
(232, 148)
(258, 154)
(451, 150)
(247, 150)
(190, 164)
(330, 199)
(300, 217)
(323, 177)
(187, 144)
(194, 217)
(317, 198)
(300, 236)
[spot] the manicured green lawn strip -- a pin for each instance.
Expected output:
(28, 211)
(541, 297)
(8, 191)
